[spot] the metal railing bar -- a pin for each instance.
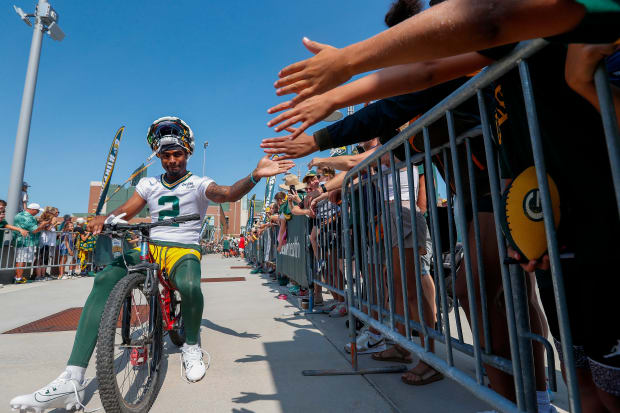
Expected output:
(436, 241)
(495, 199)
(610, 124)
(451, 238)
(462, 222)
(552, 246)
(401, 243)
(478, 244)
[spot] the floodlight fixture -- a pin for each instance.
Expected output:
(25, 17)
(55, 32)
(46, 21)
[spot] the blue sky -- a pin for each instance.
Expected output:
(212, 63)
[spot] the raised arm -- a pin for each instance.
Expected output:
(129, 208)
(341, 163)
(388, 82)
(266, 167)
(447, 29)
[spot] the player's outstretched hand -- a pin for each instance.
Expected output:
(96, 224)
(270, 167)
(309, 112)
(315, 75)
(290, 149)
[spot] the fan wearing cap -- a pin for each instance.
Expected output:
(176, 248)
(24, 203)
(295, 194)
(28, 238)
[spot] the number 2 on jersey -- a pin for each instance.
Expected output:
(173, 212)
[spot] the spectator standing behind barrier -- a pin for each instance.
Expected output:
(226, 247)
(26, 245)
(24, 201)
(241, 245)
(4, 226)
(594, 327)
(47, 241)
(86, 247)
(295, 194)
(66, 248)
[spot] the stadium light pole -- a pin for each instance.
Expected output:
(204, 156)
(45, 21)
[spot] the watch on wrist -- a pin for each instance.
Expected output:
(323, 188)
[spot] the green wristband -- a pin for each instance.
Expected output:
(252, 179)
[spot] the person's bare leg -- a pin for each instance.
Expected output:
(422, 369)
(19, 273)
(589, 393)
(500, 381)
(611, 402)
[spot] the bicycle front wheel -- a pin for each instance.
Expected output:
(129, 348)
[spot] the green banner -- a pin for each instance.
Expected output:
(271, 183)
(109, 168)
(251, 214)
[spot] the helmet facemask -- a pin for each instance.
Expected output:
(169, 132)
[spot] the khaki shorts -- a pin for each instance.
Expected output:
(422, 233)
(24, 254)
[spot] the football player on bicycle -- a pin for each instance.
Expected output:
(176, 248)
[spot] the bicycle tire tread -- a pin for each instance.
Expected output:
(108, 390)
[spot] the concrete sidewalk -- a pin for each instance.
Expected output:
(256, 361)
(258, 348)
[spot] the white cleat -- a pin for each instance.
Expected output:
(62, 393)
(193, 365)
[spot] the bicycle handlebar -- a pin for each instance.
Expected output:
(149, 225)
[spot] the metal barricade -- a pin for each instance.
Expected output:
(328, 249)
(47, 253)
(383, 240)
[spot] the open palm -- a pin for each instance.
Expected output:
(270, 167)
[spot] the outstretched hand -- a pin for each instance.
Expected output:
(313, 76)
(290, 149)
(309, 112)
(269, 167)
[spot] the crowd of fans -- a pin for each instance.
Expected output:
(42, 246)
(421, 62)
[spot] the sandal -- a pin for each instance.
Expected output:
(403, 356)
(429, 376)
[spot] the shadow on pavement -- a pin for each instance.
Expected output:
(287, 360)
(225, 330)
(251, 358)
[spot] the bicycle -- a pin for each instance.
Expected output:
(130, 338)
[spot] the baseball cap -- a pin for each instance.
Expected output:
(25, 184)
(34, 205)
(311, 173)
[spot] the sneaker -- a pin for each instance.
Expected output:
(21, 280)
(62, 393)
(340, 310)
(192, 362)
(367, 342)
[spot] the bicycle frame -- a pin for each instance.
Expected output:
(165, 295)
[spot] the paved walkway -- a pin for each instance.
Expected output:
(258, 349)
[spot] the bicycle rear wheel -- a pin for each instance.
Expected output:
(129, 348)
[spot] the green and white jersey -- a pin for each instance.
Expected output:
(183, 197)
